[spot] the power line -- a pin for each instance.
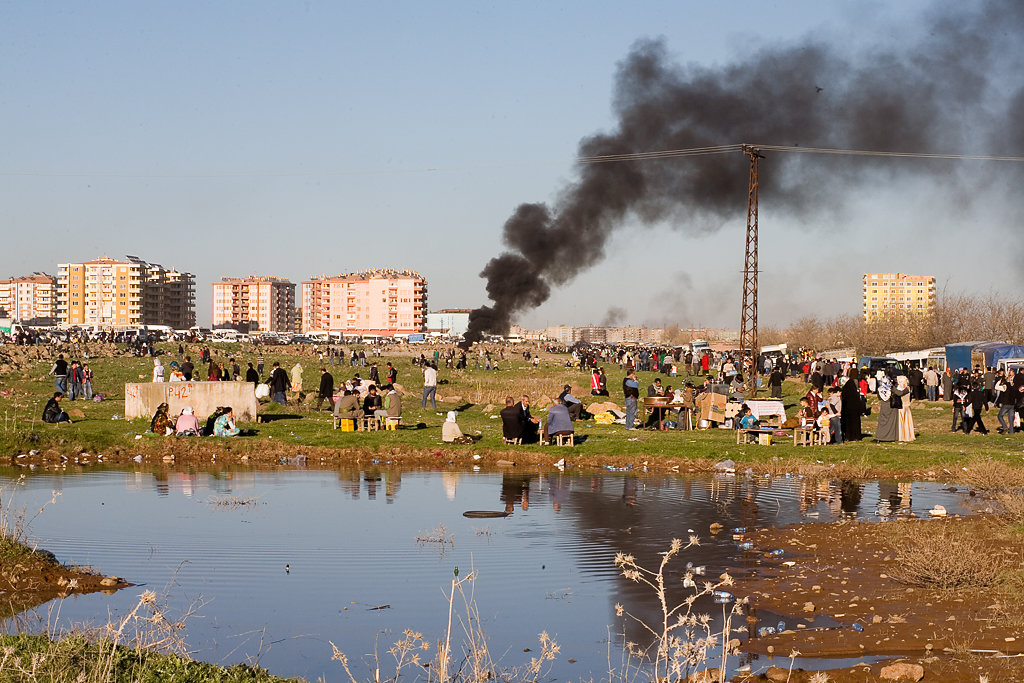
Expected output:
(722, 149)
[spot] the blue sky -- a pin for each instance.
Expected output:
(292, 139)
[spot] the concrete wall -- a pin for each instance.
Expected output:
(141, 400)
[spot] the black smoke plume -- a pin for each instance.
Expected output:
(955, 89)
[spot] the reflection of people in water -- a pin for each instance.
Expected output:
(629, 491)
(515, 487)
(849, 496)
(558, 489)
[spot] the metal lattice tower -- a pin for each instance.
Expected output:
(748, 315)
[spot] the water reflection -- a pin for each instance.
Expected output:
(348, 535)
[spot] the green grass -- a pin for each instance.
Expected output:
(39, 658)
(470, 391)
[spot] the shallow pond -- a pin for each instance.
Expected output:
(304, 557)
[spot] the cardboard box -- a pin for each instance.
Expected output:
(712, 407)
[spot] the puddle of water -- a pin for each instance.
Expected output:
(310, 554)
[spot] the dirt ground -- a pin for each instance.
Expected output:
(29, 579)
(832, 577)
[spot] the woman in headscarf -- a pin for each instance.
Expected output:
(906, 420)
(225, 424)
(450, 431)
(158, 370)
(161, 423)
(889, 404)
(187, 424)
(852, 406)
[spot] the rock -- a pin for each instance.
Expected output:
(725, 466)
(715, 528)
(902, 671)
(808, 606)
(777, 674)
(110, 581)
(76, 413)
(877, 619)
(706, 676)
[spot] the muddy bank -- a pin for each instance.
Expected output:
(268, 452)
(834, 586)
(30, 578)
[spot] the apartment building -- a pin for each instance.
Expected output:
(30, 299)
(130, 292)
(897, 295)
(383, 302)
(251, 304)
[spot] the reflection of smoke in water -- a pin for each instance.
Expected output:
(933, 95)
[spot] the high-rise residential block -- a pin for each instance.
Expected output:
(264, 304)
(130, 292)
(382, 302)
(897, 295)
(30, 299)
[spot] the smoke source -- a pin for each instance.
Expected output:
(935, 95)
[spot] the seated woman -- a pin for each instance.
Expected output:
(225, 424)
(187, 424)
(212, 420)
(161, 424)
(52, 412)
(450, 432)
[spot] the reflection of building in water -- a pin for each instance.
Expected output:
(450, 481)
(515, 488)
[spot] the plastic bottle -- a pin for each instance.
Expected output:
(778, 552)
(781, 627)
(747, 545)
(740, 530)
(857, 627)
(721, 596)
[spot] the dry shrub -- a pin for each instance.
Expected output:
(1010, 506)
(944, 555)
(994, 476)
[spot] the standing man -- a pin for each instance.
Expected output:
(326, 389)
(775, 382)
(631, 391)
(60, 374)
(392, 374)
(429, 385)
(259, 364)
(279, 384)
(86, 382)
(931, 383)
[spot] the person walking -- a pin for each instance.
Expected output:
(429, 386)
(279, 384)
(631, 392)
(326, 389)
(60, 374)
(1006, 399)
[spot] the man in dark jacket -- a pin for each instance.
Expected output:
(52, 412)
(187, 368)
(326, 389)
(251, 375)
(511, 424)
(279, 384)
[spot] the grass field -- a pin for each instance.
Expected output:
(477, 395)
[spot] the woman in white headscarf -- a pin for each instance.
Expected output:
(888, 410)
(187, 423)
(906, 420)
(450, 432)
(158, 370)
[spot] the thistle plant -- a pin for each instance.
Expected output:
(685, 640)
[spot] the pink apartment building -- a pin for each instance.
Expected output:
(383, 302)
(30, 299)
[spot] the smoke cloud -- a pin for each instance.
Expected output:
(946, 92)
